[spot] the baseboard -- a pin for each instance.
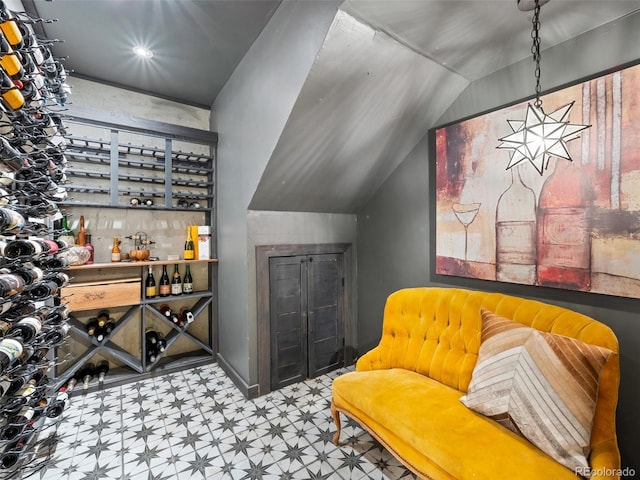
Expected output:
(249, 391)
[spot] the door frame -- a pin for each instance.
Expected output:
(263, 254)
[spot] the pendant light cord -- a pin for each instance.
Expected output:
(535, 50)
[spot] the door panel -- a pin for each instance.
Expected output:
(287, 283)
(325, 295)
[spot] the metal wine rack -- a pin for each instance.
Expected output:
(112, 171)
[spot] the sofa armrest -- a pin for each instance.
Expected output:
(605, 461)
(372, 360)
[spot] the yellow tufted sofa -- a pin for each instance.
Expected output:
(406, 391)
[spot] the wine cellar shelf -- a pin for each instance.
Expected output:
(136, 367)
(165, 168)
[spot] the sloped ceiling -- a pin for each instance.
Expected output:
(366, 103)
(387, 71)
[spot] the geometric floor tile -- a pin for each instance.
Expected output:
(196, 425)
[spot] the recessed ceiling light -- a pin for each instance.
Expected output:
(142, 52)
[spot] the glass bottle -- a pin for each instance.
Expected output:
(187, 283)
(176, 281)
(165, 284)
(564, 229)
(82, 233)
(66, 235)
(10, 221)
(189, 248)
(151, 289)
(115, 250)
(88, 372)
(102, 368)
(10, 350)
(516, 233)
(89, 246)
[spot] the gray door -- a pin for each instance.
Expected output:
(306, 316)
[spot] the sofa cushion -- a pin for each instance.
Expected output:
(540, 385)
(423, 422)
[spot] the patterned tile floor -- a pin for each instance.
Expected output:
(195, 424)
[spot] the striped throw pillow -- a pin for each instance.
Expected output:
(539, 385)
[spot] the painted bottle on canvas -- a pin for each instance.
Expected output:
(516, 232)
(564, 229)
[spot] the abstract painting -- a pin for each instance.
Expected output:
(576, 226)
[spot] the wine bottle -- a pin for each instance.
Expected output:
(151, 289)
(16, 424)
(13, 451)
(189, 248)
(11, 222)
(25, 329)
(187, 315)
(9, 60)
(10, 94)
(167, 312)
(102, 368)
(165, 284)
(10, 350)
(187, 284)
(23, 248)
(9, 27)
(88, 372)
(55, 335)
(116, 255)
(176, 281)
(92, 326)
(58, 404)
(161, 344)
(516, 233)
(152, 353)
(82, 233)
(29, 273)
(10, 285)
(66, 235)
(43, 290)
(151, 336)
(89, 246)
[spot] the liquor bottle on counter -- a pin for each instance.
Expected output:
(150, 287)
(66, 235)
(115, 250)
(89, 246)
(189, 247)
(81, 239)
(187, 284)
(176, 281)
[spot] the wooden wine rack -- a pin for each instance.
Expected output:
(139, 158)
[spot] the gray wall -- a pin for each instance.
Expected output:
(393, 252)
(249, 115)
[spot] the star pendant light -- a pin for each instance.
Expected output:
(540, 135)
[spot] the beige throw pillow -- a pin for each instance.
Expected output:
(539, 385)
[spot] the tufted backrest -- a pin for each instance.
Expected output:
(436, 332)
